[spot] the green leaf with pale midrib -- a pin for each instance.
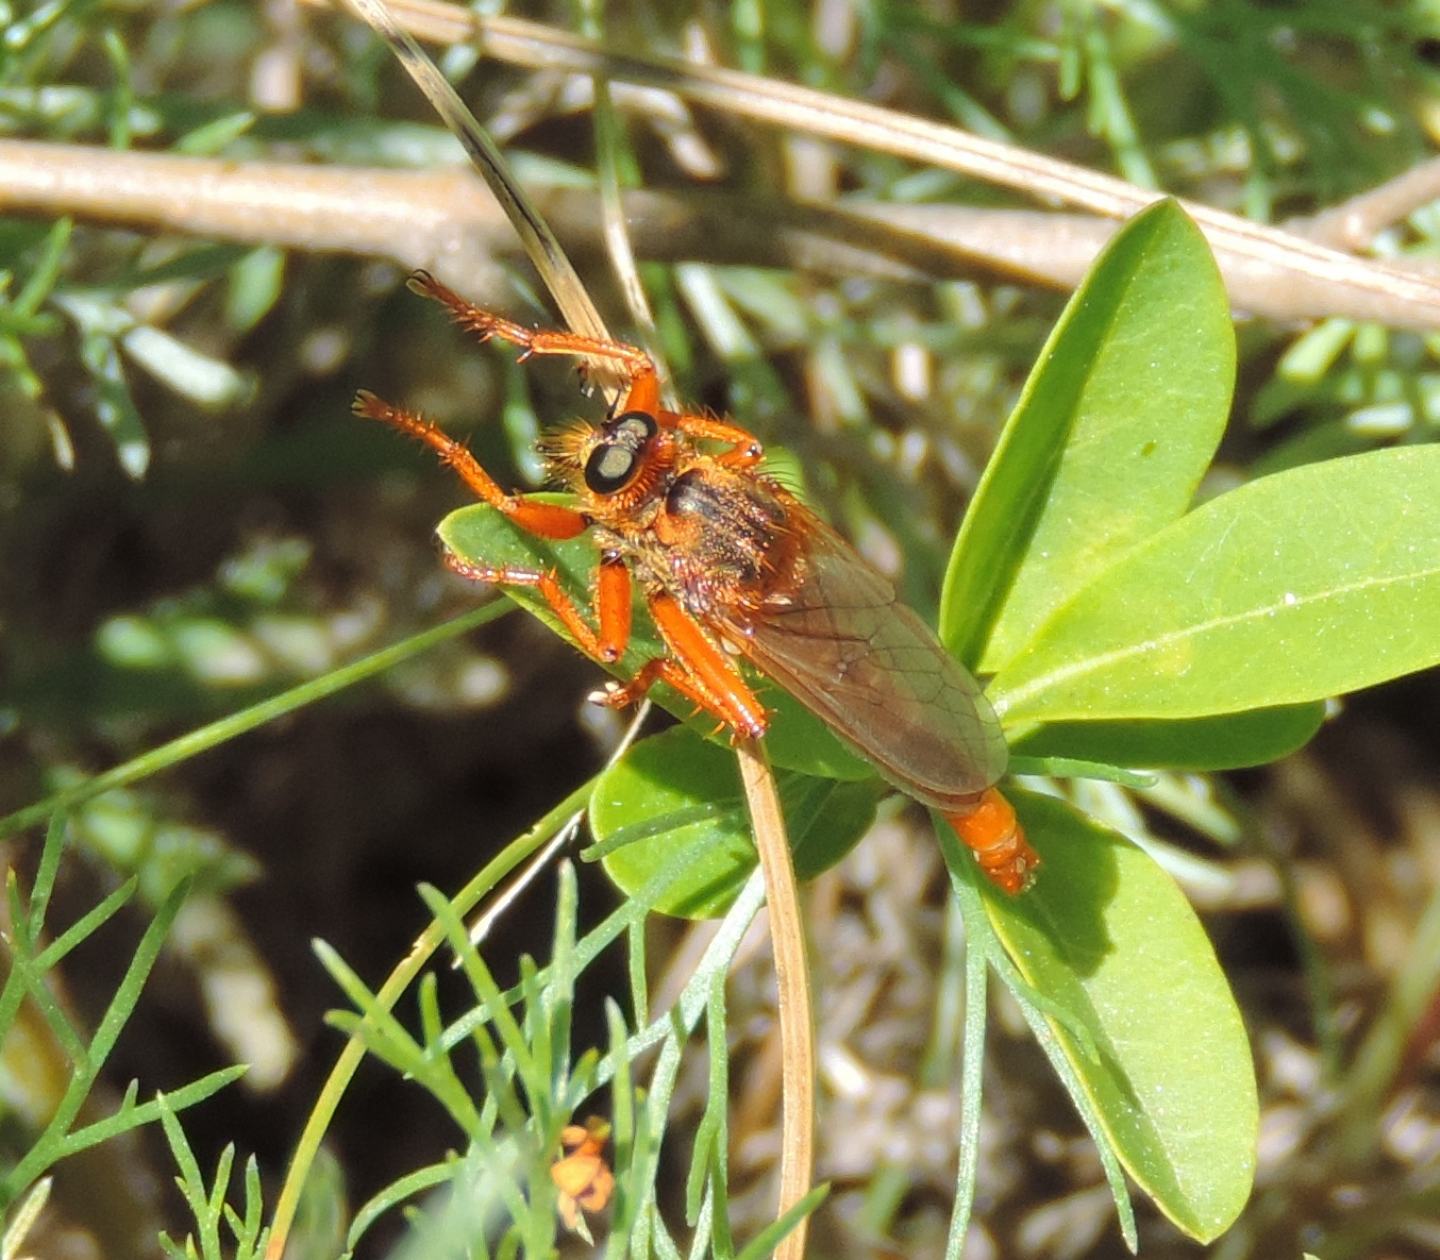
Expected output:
(1117, 424)
(1293, 588)
(1106, 934)
(1230, 741)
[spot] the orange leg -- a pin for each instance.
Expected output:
(745, 449)
(548, 520)
(644, 389)
(724, 690)
(993, 831)
(612, 607)
(606, 646)
(734, 705)
(659, 669)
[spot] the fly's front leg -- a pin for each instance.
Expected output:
(612, 601)
(643, 393)
(547, 520)
(638, 367)
(745, 448)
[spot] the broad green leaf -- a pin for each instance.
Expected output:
(1229, 742)
(1293, 588)
(677, 790)
(797, 740)
(1106, 934)
(1116, 426)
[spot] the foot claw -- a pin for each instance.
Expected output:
(368, 405)
(610, 696)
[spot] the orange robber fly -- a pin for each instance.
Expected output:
(732, 564)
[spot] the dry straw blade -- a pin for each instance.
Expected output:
(541, 247)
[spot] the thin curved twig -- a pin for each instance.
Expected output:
(544, 251)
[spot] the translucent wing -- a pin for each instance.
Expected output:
(834, 635)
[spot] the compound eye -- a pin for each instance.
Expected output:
(616, 460)
(610, 467)
(634, 429)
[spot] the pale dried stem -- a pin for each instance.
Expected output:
(1303, 277)
(792, 982)
(442, 220)
(1356, 222)
(572, 296)
(445, 222)
(550, 261)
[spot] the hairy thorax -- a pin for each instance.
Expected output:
(716, 540)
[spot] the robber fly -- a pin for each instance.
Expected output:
(731, 564)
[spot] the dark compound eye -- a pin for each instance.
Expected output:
(610, 467)
(616, 460)
(634, 428)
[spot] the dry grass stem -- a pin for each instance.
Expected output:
(792, 981)
(1306, 272)
(786, 932)
(443, 221)
(544, 252)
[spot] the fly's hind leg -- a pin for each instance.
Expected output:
(711, 673)
(664, 669)
(697, 670)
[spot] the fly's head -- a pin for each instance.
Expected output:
(619, 470)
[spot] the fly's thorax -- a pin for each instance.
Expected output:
(722, 540)
(724, 530)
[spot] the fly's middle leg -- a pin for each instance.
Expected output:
(607, 644)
